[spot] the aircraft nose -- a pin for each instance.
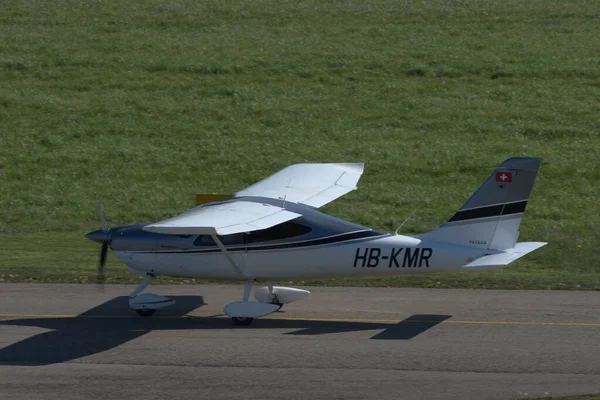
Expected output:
(97, 236)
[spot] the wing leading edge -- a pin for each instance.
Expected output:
(223, 219)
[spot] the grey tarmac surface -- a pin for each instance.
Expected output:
(74, 342)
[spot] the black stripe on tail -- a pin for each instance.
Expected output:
(490, 211)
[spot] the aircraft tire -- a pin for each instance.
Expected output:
(242, 321)
(146, 312)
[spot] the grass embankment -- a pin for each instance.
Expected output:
(144, 105)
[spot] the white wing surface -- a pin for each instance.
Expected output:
(223, 219)
(311, 184)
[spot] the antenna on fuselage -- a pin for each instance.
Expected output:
(406, 220)
(289, 184)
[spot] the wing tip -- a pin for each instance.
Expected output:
(357, 166)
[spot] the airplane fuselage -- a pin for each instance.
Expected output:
(382, 255)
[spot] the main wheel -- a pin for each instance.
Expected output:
(242, 321)
(145, 312)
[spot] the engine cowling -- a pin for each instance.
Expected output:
(284, 294)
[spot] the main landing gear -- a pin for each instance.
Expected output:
(147, 312)
(146, 304)
(242, 313)
(270, 299)
(245, 321)
(242, 321)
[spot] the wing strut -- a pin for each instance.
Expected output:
(235, 266)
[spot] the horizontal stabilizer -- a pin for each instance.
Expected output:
(506, 257)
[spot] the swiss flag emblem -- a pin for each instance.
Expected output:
(504, 177)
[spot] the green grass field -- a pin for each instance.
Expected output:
(143, 104)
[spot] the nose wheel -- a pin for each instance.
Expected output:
(146, 304)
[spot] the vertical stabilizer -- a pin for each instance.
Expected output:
(491, 217)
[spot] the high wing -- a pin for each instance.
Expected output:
(223, 219)
(311, 184)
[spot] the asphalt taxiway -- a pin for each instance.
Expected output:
(74, 342)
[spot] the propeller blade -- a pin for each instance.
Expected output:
(100, 277)
(103, 252)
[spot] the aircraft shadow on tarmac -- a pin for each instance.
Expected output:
(113, 323)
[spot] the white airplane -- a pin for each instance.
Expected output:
(272, 231)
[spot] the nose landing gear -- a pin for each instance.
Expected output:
(146, 304)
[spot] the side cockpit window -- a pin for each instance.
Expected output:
(204, 241)
(281, 231)
(227, 240)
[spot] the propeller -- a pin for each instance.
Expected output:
(100, 277)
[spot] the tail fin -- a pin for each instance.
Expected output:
(491, 217)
